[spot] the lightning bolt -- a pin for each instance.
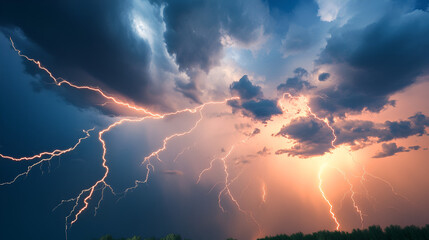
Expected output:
(82, 200)
(323, 166)
(183, 151)
(352, 196)
(50, 155)
(331, 207)
(84, 197)
(264, 193)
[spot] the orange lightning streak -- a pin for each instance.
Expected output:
(206, 169)
(102, 182)
(264, 193)
(310, 112)
(322, 168)
(183, 151)
(352, 197)
(384, 181)
(227, 189)
(61, 81)
(52, 154)
(88, 193)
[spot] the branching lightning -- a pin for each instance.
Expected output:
(331, 207)
(86, 194)
(324, 165)
(83, 199)
(51, 155)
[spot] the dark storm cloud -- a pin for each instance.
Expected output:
(251, 102)
(296, 83)
(324, 76)
(374, 62)
(245, 89)
(195, 29)
(389, 149)
(189, 90)
(313, 137)
(261, 109)
(358, 133)
(85, 42)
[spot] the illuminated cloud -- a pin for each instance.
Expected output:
(358, 132)
(251, 102)
(297, 83)
(313, 137)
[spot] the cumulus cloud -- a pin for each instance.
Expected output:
(245, 89)
(200, 25)
(324, 76)
(251, 102)
(312, 137)
(195, 31)
(297, 83)
(358, 133)
(371, 63)
(389, 149)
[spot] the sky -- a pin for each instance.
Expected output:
(212, 119)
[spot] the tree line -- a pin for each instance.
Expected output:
(392, 232)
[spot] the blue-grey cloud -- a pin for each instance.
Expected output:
(245, 89)
(312, 137)
(358, 133)
(189, 90)
(389, 149)
(324, 76)
(84, 42)
(192, 25)
(251, 102)
(297, 83)
(261, 109)
(374, 62)
(195, 31)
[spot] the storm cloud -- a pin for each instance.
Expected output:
(358, 133)
(374, 62)
(297, 83)
(91, 43)
(251, 102)
(312, 137)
